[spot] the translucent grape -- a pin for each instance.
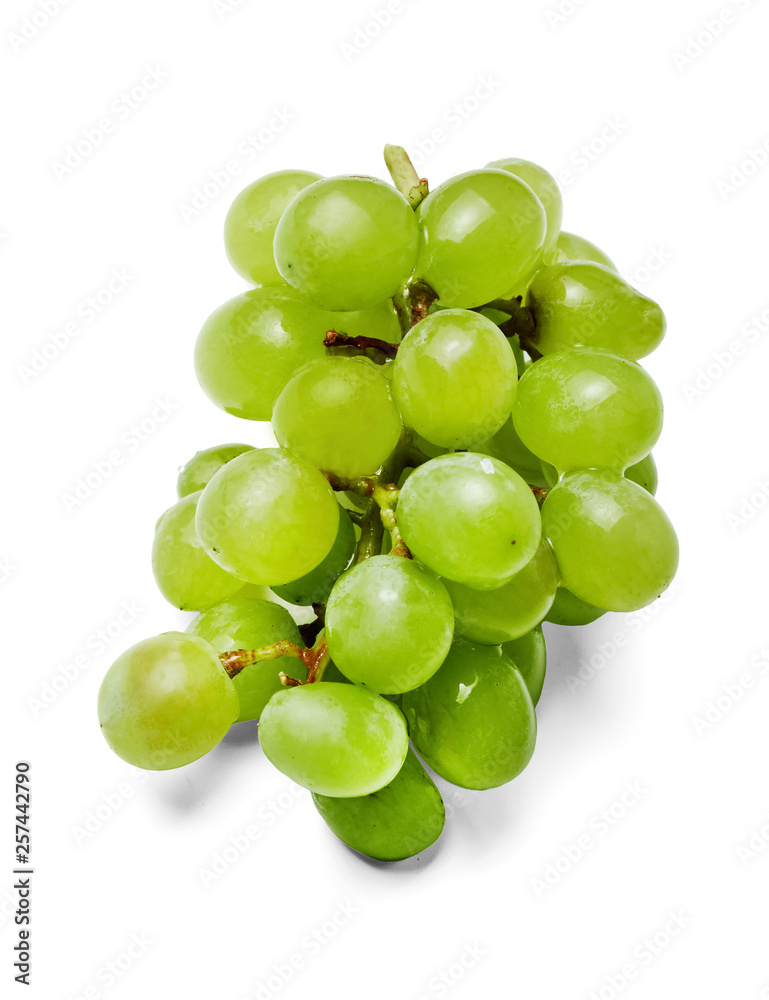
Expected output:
(315, 586)
(473, 722)
(250, 224)
(335, 739)
(470, 519)
(339, 414)
(268, 517)
(250, 623)
(454, 378)
(507, 447)
(379, 321)
(644, 473)
(582, 304)
(251, 346)
(185, 574)
(196, 474)
(400, 820)
(571, 247)
(570, 610)
(544, 187)
(166, 701)
(481, 234)
(587, 409)
(615, 547)
(389, 624)
(512, 610)
(529, 654)
(347, 242)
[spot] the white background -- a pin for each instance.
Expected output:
(645, 140)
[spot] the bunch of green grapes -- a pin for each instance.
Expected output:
(464, 438)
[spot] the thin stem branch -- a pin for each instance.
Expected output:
(334, 339)
(405, 178)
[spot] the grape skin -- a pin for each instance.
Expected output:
(347, 242)
(195, 474)
(250, 225)
(268, 517)
(334, 739)
(454, 379)
(586, 409)
(185, 574)
(339, 414)
(166, 701)
(469, 518)
(389, 624)
(614, 545)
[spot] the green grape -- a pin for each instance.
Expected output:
(166, 701)
(529, 655)
(614, 545)
(185, 574)
(644, 473)
(570, 610)
(507, 447)
(544, 187)
(198, 471)
(469, 518)
(251, 346)
(481, 234)
(400, 820)
(250, 623)
(454, 378)
(473, 722)
(582, 304)
(339, 414)
(512, 610)
(335, 739)
(315, 586)
(268, 517)
(249, 228)
(571, 247)
(347, 242)
(389, 624)
(550, 474)
(379, 321)
(585, 409)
